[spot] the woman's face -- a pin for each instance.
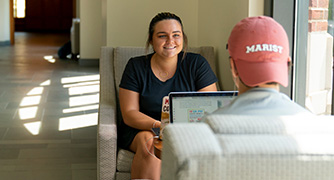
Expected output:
(167, 39)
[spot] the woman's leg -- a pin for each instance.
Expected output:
(144, 165)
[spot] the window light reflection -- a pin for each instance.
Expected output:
(46, 83)
(80, 79)
(84, 96)
(50, 59)
(78, 109)
(33, 127)
(28, 113)
(36, 91)
(79, 121)
(81, 84)
(83, 90)
(83, 100)
(30, 100)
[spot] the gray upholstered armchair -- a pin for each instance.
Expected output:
(243, 147)
(114, 163)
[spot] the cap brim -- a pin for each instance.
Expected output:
(254, 74)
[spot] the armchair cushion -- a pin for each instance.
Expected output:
(124, 160)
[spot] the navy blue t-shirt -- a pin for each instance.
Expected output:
(192, 74)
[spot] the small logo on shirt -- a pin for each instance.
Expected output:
(264, 47)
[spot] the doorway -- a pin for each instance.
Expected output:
(41, 16)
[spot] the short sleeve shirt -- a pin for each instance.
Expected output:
(263, 101)
(192, 74)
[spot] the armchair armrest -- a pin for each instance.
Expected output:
(107, 142)
(190, 151)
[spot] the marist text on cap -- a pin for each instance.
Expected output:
(264, 47)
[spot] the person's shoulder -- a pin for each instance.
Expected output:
(143, 59)
(191, 57)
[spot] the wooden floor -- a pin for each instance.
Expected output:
(48, 111)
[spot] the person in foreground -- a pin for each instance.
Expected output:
(259, 59)
(147, 79)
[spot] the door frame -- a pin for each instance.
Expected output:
(11, 20)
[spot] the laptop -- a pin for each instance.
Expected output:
(192, 106)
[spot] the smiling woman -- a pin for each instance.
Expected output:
(147, 79)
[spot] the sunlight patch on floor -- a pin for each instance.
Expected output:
(33, 127)
(28, 112)
(83, 94)
(80, 121)
(30, 101)
(78, 109)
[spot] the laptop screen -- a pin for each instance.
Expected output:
(192, 106)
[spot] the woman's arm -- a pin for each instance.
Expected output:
(211, 87)
(129, 103)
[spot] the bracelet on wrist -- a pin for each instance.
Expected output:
(154, 124)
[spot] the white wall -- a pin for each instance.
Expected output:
(216, 20)
(128, 20)
(256, 7)
(90, 29)
(4, 21)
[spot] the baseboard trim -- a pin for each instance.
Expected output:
(4, 43)
(89, 62)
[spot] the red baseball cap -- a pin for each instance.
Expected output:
(259, 47)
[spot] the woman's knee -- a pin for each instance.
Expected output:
(143, 143)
